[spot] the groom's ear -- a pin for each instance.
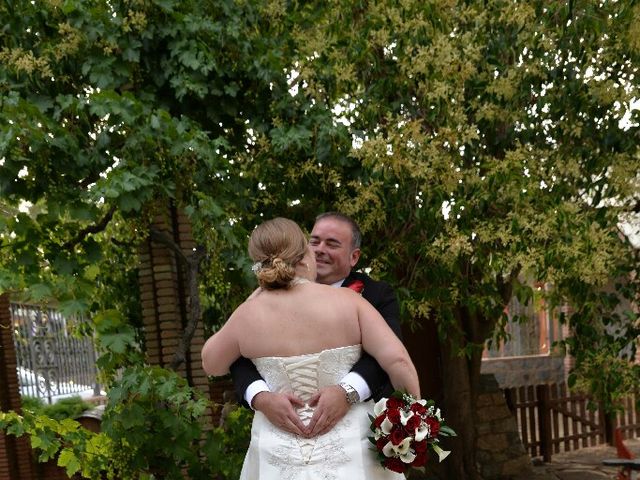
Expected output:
(354, 257)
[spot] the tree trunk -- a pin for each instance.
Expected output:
(459, 412)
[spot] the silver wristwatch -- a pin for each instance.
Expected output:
(351, 393)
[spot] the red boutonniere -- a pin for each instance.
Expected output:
(357, 286)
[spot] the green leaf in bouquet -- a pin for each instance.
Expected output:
(447, 431)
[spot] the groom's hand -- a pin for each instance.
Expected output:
(331, 405)
(279, 408)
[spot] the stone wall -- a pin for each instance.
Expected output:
(15, 453)
(500, 455)
(524, 371)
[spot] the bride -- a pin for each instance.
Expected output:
(303, 336)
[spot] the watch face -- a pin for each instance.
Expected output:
(350, 393)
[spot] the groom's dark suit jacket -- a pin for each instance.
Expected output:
(378, 294)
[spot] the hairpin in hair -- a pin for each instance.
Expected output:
(256, 266)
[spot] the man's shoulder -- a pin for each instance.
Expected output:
(364, 278)
(378, 293)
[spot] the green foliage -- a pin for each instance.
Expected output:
(154, 426)
(77, 450)
(116, 341)
(71, 407)
(476, 143)
(148, 404)
(110, 111)
(228, 444)
(604, 346)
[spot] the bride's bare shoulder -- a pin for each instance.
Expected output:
(245, 310)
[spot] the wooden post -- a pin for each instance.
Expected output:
(544, 421)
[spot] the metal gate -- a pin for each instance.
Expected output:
(53, 361)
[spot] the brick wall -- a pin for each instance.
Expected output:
(15, 453)
(165, 302)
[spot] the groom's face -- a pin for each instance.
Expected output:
(331, 241)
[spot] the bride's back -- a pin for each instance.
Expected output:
(305, 318)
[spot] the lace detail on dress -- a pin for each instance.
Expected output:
(328, 453)
(304, 375)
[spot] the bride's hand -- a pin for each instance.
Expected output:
(331, 405)
(279, 408)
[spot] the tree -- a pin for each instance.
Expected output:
(110, 110)
(477, 144)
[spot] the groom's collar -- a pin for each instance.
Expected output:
(348, 280)
(338, 283)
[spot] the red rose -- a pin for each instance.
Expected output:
(420, 460)
(379, 419)
(413, 423)
(393, 415)
(394, 464)
(394, 403)
(357, 286)
(381, 442)
(419, 447)
(419, 409)
(398, 435)
(434, 426)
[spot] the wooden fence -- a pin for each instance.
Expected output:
(552, 419)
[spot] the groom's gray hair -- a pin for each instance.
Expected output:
(356, 234)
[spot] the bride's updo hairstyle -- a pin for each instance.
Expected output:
(276, 246)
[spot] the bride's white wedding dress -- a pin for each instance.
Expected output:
(342, 453)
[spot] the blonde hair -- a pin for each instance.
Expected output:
(277, 246)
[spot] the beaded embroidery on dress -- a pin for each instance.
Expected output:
(343, 452)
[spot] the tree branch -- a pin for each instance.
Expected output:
(93, 178)
(194, 308)
(96, 228)
(192, 268)
(165, 239)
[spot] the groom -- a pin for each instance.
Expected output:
(335, 240)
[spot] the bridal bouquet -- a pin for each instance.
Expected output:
(404, 428)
